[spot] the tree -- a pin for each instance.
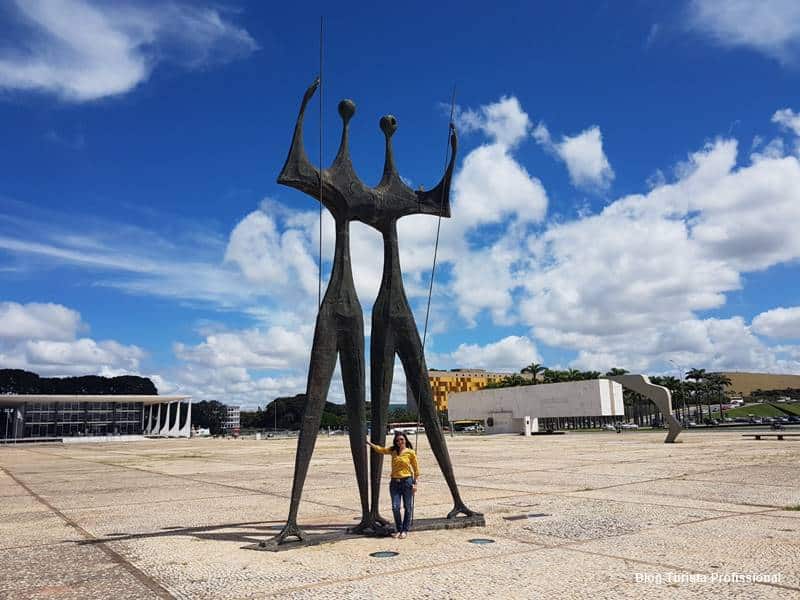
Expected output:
(696, 389)
(717, 382)
(287, 413)
(533, 369)
(209, 414)
(616, 371)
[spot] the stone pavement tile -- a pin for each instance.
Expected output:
(184, 514)
(546, 481)
(741, 543)
(772, 474)
(101, 483)
(32, 528)
(531, 574)
(563, 519)
(136, 495)
(66, 571)
(721, 492)
(644, 495)
(222, 569)
(643, 468)
(9, 507)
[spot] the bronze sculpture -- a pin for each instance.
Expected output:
(394, 330)
(340, 322)
(339, 326)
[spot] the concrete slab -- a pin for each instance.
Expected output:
(579, 516)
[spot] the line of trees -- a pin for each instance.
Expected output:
(18, 381)
(287, 413)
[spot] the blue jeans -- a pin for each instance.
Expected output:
(402, 488)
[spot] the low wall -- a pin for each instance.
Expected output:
(101, 439)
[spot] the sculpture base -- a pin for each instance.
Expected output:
(433, 524)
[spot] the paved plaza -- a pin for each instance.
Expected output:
(582, 515)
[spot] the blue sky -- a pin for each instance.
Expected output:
(627, 191)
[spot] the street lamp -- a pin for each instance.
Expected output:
(680, 380)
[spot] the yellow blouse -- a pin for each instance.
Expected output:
(403, 465)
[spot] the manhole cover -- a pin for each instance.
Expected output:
(384, 554)
(481, 541)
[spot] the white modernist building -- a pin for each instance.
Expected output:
(44, 416)
(518, 409)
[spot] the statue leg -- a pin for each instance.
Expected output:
(410, 351)
(320, 371)
(351, 358)
(381, 357)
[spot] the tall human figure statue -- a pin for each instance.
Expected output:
(394, 330)
(340, 322)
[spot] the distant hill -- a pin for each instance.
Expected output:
(290, 414)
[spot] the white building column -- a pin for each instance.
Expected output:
(174, 430)
(186, 429)
(164, 431)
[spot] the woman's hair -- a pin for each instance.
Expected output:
(405, 437)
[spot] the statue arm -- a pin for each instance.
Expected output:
(298, 171)
(379, 449)
(437, 200)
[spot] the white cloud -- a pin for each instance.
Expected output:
(491, 185)
(38, 321)
(779, 323)
(82, 50)
(42, 338)
(583, 154)
(508, 354)
(771, 27)
(630, 296)
(274, 348)
(270, 257)
(713, 344)
(504, 121)
(231, 385)
(787, 119)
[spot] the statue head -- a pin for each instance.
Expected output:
(347, 108)
(388, 125)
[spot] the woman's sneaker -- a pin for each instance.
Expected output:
(403, 535)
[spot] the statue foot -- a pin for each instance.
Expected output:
(289, 530)
(461, 509)
(374, 525)
(381, 520)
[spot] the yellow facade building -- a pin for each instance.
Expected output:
(457, 380)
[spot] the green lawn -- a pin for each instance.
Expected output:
(757, 410)
(793, 408)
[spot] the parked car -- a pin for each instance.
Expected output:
(629, 426)
(609, 427)
(794, 419)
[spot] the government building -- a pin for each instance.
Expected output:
(52, 417)
(456, 380)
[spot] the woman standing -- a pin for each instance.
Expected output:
(403, 485)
